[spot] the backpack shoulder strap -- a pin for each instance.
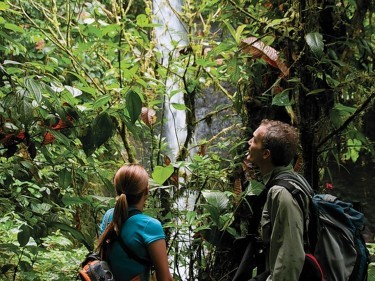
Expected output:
(297, 195)
(129, 251)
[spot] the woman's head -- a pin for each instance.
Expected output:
(131, 180)
(131, 183)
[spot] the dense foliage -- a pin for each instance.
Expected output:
(83, 90)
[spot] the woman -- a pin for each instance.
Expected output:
(142, 234)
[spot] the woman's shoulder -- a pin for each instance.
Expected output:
(108, 216)
(147, 224)
(147, 219)
(109, 212)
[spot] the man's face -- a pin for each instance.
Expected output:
(256, 153)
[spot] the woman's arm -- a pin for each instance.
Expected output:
(158, 253)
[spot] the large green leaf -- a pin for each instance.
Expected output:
(65, 178)
(75, 200)
(142, 20)
(214, 213)
(217, 199)
(315, 42)
(26, 112)
(13, 27)
(103, 128)
(100, 131)
(24, 235)
(3, 6)
(282, 99)
(101, 102)
(339, 113)
(41, 209)
(34, 87)
(161, 174)
(134, 105)
(179, 106)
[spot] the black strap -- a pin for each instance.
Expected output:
(297, 194)
(129, 251)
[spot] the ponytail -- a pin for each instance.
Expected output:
(120, 214)
(131, 183)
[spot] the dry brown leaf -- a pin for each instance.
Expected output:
(257, 49)
(148, 116)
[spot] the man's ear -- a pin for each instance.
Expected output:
(266, 153)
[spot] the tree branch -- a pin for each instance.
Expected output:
(347, 121)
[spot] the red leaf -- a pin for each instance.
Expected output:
(48, 138)
(60, 125)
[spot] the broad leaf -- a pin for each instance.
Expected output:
(24, 235)
(103, 128)
(74, 91)
(233, 69)
(134, 105)
(98, 133)
(179, 106)
(216, 199)
(75, 200)
(315, 42)
(34, 87)
(339, 113)
(161, 174)
(191, 217)
(3, 6)
(142, 20)
(14, 27)
(101, 102)
(258, 49)
(41, 209)
(214, 213)
(26, 112)
(282, 99)
(65, 178)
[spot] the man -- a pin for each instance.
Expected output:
(272, 149)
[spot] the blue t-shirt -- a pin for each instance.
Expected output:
(107, 218)
(137, 233)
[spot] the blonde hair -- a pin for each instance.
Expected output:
(131, 183)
